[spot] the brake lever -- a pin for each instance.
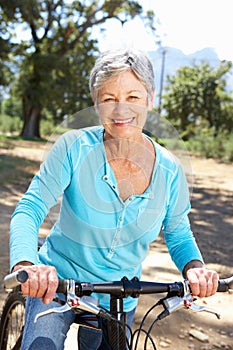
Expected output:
(70, 297)
(199, 308)
(56, 310)
(174, 303)
(77, 304)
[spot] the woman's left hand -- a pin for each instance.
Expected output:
(203, 282)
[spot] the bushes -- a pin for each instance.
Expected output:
(46, 127)
(206, 144)
(13, 125)
(10, 124)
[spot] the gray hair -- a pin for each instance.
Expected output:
(111, 63)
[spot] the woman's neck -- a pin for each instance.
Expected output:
(133, 154)
(124, 148)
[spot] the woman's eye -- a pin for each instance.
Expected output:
(109, 99)
(133, 98)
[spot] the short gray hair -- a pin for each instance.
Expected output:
(111, 63)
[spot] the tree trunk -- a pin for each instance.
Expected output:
(32, 116)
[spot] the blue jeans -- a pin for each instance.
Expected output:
(49, 333)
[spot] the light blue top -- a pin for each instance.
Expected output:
(99, 237)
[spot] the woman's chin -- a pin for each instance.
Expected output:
(129, 131)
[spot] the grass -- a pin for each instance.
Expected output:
(5, 138)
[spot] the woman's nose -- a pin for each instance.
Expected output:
(121, 108)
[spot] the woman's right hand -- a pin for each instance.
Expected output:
(42, 281)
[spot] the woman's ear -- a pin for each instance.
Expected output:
(151, 100)
(96, 108)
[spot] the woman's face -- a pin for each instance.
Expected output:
(122, 103)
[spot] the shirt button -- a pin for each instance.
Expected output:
(113, 186)
(120, 218)
(130, 199)
(105, 178)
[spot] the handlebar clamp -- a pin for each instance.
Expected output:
(131, 287)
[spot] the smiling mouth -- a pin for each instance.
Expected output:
(123, 121)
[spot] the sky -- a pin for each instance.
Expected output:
(188, 25)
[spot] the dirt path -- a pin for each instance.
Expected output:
(212, 223)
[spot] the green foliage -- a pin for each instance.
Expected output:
(201, 110)
(209, 145)
(47, 125)
(196, 95)
(5, 49)
(10, 124)
(52, 66)
(12, 107)
(11, 116)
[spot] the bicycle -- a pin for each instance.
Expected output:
(78, 299)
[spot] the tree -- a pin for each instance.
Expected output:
(197, 95)
(55, 60)
(5, 49)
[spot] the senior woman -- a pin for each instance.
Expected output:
(119, 188)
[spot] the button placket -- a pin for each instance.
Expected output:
(107, 179)
(117, 232)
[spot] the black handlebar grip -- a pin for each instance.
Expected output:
(62, 286)
(225, 284)
(15, 278)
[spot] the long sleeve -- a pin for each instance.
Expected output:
(176, 226)
(43, 193)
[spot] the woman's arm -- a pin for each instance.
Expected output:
(43, 193)
(181, 242)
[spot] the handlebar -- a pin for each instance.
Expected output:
(78, 294)
(15, 278)
(224, 285)
(123, 288)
